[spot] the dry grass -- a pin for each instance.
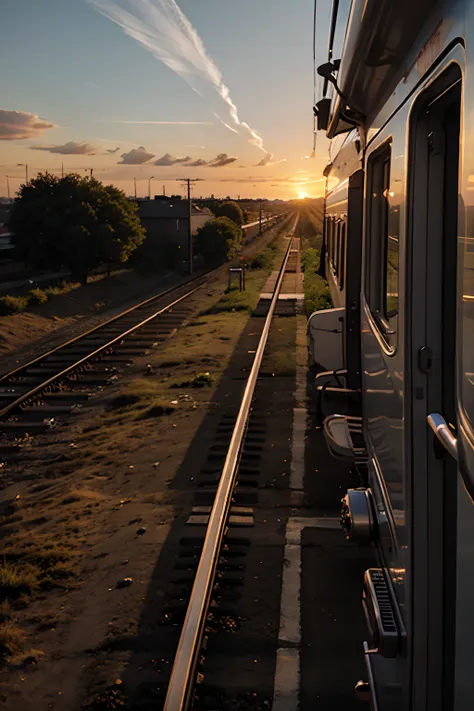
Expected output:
(12, 639)
(279, 357)
(18, 579)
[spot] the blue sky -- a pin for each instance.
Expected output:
(97, 89)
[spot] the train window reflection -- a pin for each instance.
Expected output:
(382, 264)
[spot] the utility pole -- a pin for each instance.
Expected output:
(8, 185)
(149, 186)
(62, 170)
(25, 165)
(164, 192)
(188, 182)
(260, 219)
(135, 184)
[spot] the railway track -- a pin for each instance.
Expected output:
(191, 648)
(48, 388)
(45, 390)
(199, 583)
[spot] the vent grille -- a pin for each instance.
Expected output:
(383, 598)
(379, 609)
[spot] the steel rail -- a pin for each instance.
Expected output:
(38, 388)
(100, 326)
(183, 672)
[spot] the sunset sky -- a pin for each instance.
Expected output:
(141, 88)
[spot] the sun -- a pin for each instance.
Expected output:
(302, 195)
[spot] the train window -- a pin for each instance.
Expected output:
(382, 246)
(329, 233)
(342, 259)
(331, 240)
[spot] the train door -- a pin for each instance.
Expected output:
(431, 309)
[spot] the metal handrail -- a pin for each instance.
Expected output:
(185, 662)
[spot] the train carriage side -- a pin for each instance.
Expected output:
(334, 336)
(417, 350)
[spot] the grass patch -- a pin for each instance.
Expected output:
(279, 358)
(316, 291)
(139, 392)
(124, 400)
(234, 300)
(38, 296)
(63, 287)
(13, 304)
(16, 304)
(12, 639)
(17, 579)
(158, 409)
(263, 259)
(202, 380)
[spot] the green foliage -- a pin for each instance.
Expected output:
(263, 259)
(12, 304)
(234, 300)
(38, 296)
(316, 291)
(218, 240)
(201, 380)
(75, 222)
(62, 287)
(231, 210)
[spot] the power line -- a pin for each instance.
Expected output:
(315, 76)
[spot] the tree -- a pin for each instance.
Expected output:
(75, 222)
(231, 210)
(218, 240)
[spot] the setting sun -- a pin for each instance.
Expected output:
(302, 196)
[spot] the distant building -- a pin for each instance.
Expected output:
(165, 220)
(6, 246)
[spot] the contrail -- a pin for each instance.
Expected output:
(165, 31)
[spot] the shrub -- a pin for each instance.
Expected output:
(262, 260)
(13, 304)
(38, 296)
(218, 240)
(202, 380)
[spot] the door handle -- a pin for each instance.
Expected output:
(443, 433)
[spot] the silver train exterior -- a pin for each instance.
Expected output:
(399, 258)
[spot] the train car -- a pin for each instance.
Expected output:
(253, 229)
(397, 104)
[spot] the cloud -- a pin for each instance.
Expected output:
(91, 83)
(113, 150)
(221, 160)
(136, 156)
(268, 160)
(167, 159)
(165, 31)
(72, 148)
(16, 125)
